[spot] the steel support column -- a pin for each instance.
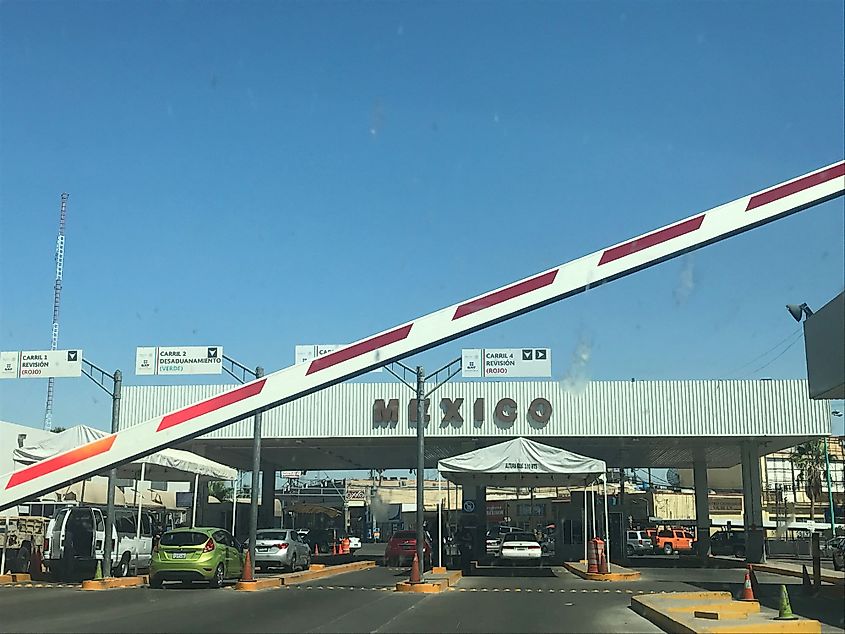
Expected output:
(702, 504)
(752, 496)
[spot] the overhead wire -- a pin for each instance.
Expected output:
(773, 359)
(790, 336)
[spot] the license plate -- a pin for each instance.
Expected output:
(263, 549)
(180, 555)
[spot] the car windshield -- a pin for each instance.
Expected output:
(184, 538)
(519, 537)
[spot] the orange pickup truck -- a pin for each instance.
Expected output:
(671, 540)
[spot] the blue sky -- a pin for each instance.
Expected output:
(261, 174)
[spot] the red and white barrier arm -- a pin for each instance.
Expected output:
(426, 332)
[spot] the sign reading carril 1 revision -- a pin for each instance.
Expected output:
(40, 364)
(506, 363)
(179, 360)
(309, 352)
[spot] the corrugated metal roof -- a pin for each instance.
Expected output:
(603, 408)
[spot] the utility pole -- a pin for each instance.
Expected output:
(57, 298)
(240, 372)
(451, 369)
(99, 376)
(421, 468)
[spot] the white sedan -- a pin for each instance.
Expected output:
(520, 547)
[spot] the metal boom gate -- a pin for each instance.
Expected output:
(425, 332)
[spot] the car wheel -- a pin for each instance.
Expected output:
(156, 583)
(667, 549)
(217, 580)
(123, 567)
(629, 551)
(293, 564)
(836, 565)
(739, 552)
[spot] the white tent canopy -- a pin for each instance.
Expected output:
(165, 465)
(524, 463)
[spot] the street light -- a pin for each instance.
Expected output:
(799, 310)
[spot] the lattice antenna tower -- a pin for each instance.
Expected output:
(57, 298)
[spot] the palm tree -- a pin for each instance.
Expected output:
(220, 490)
(809, 459)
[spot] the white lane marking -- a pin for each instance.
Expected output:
(507, 589)
(569, 604)
(495, 589)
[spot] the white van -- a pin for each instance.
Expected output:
(76, 542)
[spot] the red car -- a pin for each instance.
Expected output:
(401, 548)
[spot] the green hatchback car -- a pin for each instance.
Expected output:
(196, 554)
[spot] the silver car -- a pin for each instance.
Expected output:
(637, 543)
(281, 548)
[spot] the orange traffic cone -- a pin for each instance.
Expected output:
(415, 570)
(246, 573)
(755, 587)
(747, 592)
(316, 551)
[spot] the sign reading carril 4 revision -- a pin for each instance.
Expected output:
(506, 362)
(179, 360)
(40, 364)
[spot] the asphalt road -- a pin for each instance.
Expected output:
(364, 602)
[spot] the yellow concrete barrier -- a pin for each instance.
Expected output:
(404, 586)
(267, 583)
(619, 573)
(712, 613)
(113, 582)
(6, 579)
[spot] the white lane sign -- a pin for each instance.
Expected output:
(179, 360)
(40, 364)
(506, 362)
(306, 353)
